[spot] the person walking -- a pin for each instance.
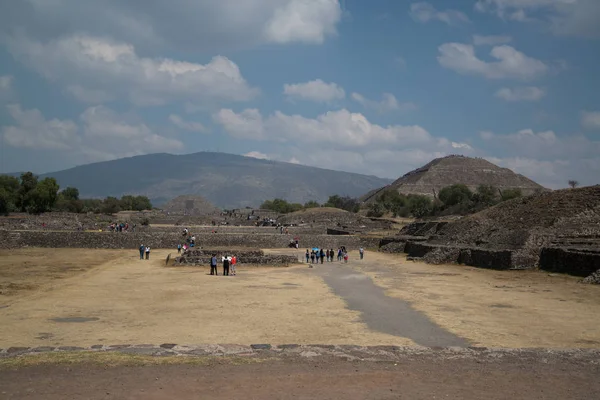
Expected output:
(226, 266)
(312, 257)
(213, 265)
(307, 256)
(322, 255)
(340, 254)
(361, 252)
(331, 254)
(147, 252)
(317, 254)
(142, 249)
(179, 248)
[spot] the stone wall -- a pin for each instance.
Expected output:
(257, 257)
(474, 257)
(570, 261)
(132, 240)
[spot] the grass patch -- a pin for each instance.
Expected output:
(116, 359)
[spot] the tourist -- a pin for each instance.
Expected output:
(226, 262)
(331, 254)
(179, 248)
(317, 254)
(213, 265)
(322, 254)
(361, 252)
(142, 248)
(233, 263)
(339, 258)
(312, 257)
(345, 257)
(147, 252)
(307, 256)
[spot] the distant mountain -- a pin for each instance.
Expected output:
(226, 180)
(445, 171)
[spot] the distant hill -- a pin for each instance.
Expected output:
(441, 172)
(225, 180)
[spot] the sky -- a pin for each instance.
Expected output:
(378, 87)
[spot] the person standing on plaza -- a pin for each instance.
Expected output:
(233, 263)
(142, 249)
(226, 266)
(147, 252)
(362, 252)
(213, 265)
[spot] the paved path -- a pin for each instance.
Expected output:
(383, 313)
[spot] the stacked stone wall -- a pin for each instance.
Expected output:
(571, 261)
(129, 240)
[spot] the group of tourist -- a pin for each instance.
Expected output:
(315, 255)
(121, 227)
(228, 262)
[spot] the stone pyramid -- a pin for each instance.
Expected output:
(190, 205)
(431, 178)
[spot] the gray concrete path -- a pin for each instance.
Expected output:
(383, 313)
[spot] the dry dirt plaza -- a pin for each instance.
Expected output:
(82, 297)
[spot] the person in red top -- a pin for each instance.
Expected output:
(233, 263)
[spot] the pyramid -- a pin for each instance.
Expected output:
(431, 178)
(190, 205)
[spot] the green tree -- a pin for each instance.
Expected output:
(345, 203)
(419, 205)
(43, 197)
(311, 204)
(455, 194)
(509, 194)
(27, 185)
(376, 210)
(70, 193)
(486, 194)
(9, 192)
(141, 203)
(110, 205)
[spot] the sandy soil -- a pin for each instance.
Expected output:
(314, 379)
(24, 270)
(493, 308)
(127, 300)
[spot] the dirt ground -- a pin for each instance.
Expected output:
(127, 300)
(494, 308)
(307, 379)
(73, 297)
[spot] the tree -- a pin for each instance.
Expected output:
(9, 193)
(485, 194)
(455, 194)
(345, 203)
(573, 184)
(141, 203)
(311, 204)
(419, 205)
(110, 205)
(27, 185)
(43, 197)
(70, 193)
(509, 194)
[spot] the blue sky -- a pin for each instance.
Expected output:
(377, 87)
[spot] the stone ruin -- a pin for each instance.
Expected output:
(201, 257)
(554, 231)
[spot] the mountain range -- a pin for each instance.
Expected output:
(226, 180)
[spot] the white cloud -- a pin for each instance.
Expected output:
(317, 91)
(511, 63)
(92, 96)
(387, 104)
(294, 160)
(197, 25)
(343, 130)
(528, 93)
(257, 154)
(464, 146)
(101, 135)
(479, 40)
(425, 12)
(32, 130)
(5, 82)
(563, 17)
(590, 119)
(303, 21)
(187, 125)
(546, 157)
(97, 67)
